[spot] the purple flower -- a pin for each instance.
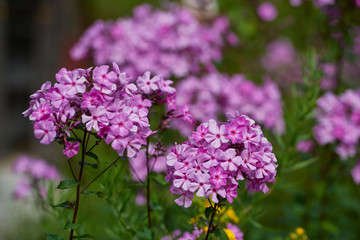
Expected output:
(355, 172)
(267, 11)
(45, 130)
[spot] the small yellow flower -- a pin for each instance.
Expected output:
(205, 229)
(230, 234)
(230, 213)
(193, 220)
(300, 231)
(293, 236)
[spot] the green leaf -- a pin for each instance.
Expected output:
(220, 234)
(93, 155)
(71, 226)
(79, 126)
(204, 219)
(158, 178)
(50, 236)
(88, 236)
(93, 165)
(208, 211)
(67, 183)
(300, 165)
(66, 204)
(98, 193)
(71, 139)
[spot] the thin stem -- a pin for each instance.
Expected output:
(83, 151)
(75, 135)
(211, 221)
(97, 143)
(113, 163)
(72, 171)
(148, 184)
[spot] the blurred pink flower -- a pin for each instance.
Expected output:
(267, 11)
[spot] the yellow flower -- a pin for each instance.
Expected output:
(230, 213)
(230, 234)
(205, 229)
(193, 220)
(300, 231)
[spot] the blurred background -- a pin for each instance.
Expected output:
(36, 38)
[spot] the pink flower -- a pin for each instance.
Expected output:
(267, 11)
(45, 130)
(71, 149)
(216, 135)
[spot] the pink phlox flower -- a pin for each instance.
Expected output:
(91, 99)
(216, 135)
(183, 179)
(229, 160)
(164, 85)
(104, 81)
(147, 84)
(177, 153)
(42, 112)
(98, 116)
(214, 192)
(134, 145)
(355, 173)
(45, 130)
(184, 199)
(75, 82)
(218, 177)
(256, 186)
(65, 112)
(22, 164)
(234, 132)
(58, 95)
(231, 192)
(185, 164)
(201, 184)
(248, 162)
(210, 157)
(22, 190)
(71, 149)
(43, 90)
(250, 136)
(200, 133)
(122, 125)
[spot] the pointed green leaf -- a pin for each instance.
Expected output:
(71, 226)
(50, 236)
(93, 165)
(84, 236)
(66, 204)
(93, 155)
(98, 193)
(67, 183)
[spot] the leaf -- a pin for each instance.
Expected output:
(67, 183)
(158, 178)
(50, 236)
(208, 211)
(98, 193)
(71, 139)
(79, 126)
(93, 165)
(220, 233)
(93, 155)
(88, 236)
(71, 226)
(66, 204)
(300, 165)
(204, 219)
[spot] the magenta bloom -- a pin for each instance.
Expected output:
(210, 163)
(45, 130)
(267, 11)
(355, 172)
(71, 149)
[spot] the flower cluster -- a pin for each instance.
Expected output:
(171, 42)
(338, 121)
(35, 172)
(215, 94)
(103, 100)
(216, 156)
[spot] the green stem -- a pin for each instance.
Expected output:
(148, 184)
(211, 221)
(83, 152)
